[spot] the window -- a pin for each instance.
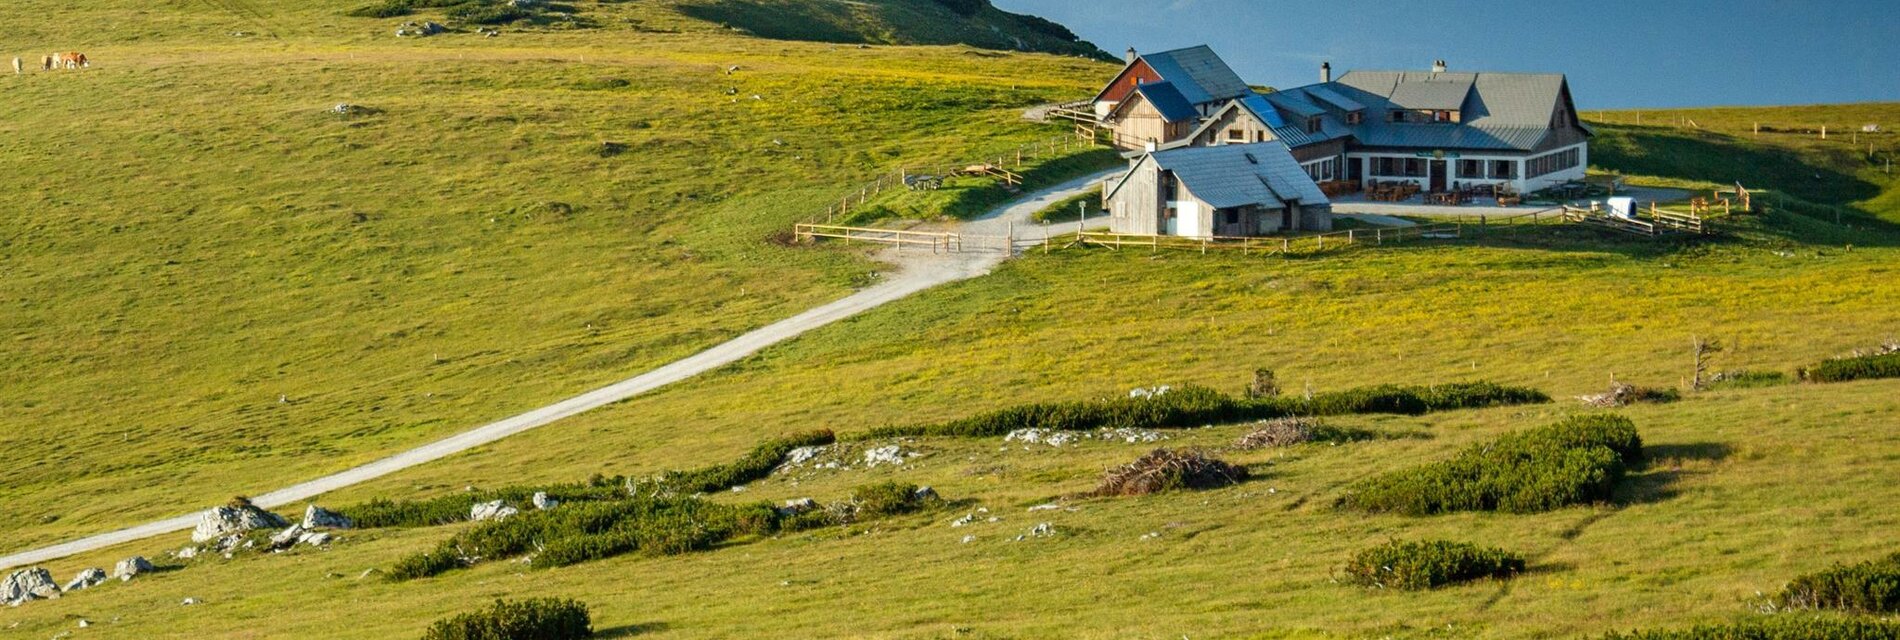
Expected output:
(1502, 169)
(1470, 168)
(1398, 167)
(1313, 124)
(1236, 135)
(1233, 217)
(1551, 163)
(1322, 170)
(1355, 117)
(1397, 115)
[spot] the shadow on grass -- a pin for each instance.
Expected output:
(1661, 471)
(631, 630)
(1660, 455)
(1670, 152)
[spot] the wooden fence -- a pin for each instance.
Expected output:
(1319, 242)
(938, 241)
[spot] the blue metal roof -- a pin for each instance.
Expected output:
(1263, 110)
(1332, 97)
(1168, 100)
(1198, 73)
(1236, 175)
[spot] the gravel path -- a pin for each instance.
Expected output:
(916, 272)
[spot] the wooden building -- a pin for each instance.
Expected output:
(1440, 129)
(1227, 190)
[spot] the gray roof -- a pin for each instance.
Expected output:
(1504, 111)
(1201, 76)
(1237, 175)
(1331, 97)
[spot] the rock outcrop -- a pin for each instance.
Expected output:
(132, 566)
(26, 585)
(543, 502)
(315, 517)
(496, 510)
(87, 579)
(234, 519)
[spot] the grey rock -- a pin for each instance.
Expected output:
(798, 505)
(496, 510)
(924, 493)
(87, 578)
(132, 566)
(186, 553)
(315, 517)
(315, 538)
(543, 502)
(28, 584)
(287, 538)
(225, 521)
(189, 601)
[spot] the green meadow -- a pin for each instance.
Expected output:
(214, 285)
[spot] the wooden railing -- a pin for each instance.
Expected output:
(938, 241)
(1318, 242)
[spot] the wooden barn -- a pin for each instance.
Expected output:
(1160, 97)
(1229, 190)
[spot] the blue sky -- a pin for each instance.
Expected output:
(1617, 53)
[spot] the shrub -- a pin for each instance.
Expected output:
(448, 509)
(1575, 461)
(488, 13)
(1884, 365)
(755, 465)
(1780, 627)
(1868, 587)
(532, 619)
(1193, 406)
(1427, 565)
(1169, 470)
(890, 499)
(1747, 379)
(396, 8)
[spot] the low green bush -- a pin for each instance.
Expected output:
(1868, 587)
(532, 619)
(755, 465)
(1575, 461)
(1885, 365)
(889, 499)
(448, 509)
(1194, 406)
(484, 13)
(397, 8)
(1747, 379)
(1429, 564)
(1778, 627)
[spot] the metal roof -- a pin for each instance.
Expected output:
(1263, 110)
(1199, 74)
(1295, 103)
(1332, 97)
(1167, 99)
(1444, 91)
(1237, 175)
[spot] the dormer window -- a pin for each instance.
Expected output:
(1236, 135)
(1355, 117)
(1313, 124)
(1444, 116)
(1396, 115)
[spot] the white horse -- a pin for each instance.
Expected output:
(18, 66)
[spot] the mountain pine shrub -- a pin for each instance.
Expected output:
(1429, 564)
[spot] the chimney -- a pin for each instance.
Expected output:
(1148, 146)
(1438, 66)
(1131, 56)
(1325, 72)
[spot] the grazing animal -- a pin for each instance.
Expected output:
(18, 66)
(74, 60)
(46, 63)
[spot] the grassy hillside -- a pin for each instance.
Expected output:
(971, 22)
(462, 294)
(214, 283)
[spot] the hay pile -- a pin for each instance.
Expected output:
(1278, 432)
(1169, 470)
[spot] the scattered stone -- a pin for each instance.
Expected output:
(189, 601)
(924, 493)
(542, 501)
(1046, 507)
(315, 538)
(888, 454)
(83, 623)
(1624, 394)
(86, 579)
(28, 584)
(186, 553)
(132, 566)
(1056, 438)
(1151, 535)
(315, 517)
(1149, 392)
(1041, 530)
(496, 510)
(235, 518)
(341, 109)
(968, 539)
(963, 521)
(802, 455)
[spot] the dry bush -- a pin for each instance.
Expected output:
(1623, 394)
(1278, 432)
(1169, 470)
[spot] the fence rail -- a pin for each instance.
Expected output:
(938, 241)
(1319, 242)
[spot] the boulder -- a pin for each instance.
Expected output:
(315, 538)
(27, 584)
(543, 502)
(496, 510)
(922, 494)
(186, 553)
(86, 579)
(229, 520)
(315, 517)
(797, 506)
(132, 566)
(287, 538)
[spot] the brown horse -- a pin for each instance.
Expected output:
(46, 63)
(74, 60)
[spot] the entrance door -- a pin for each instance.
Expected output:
(1438, 175)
